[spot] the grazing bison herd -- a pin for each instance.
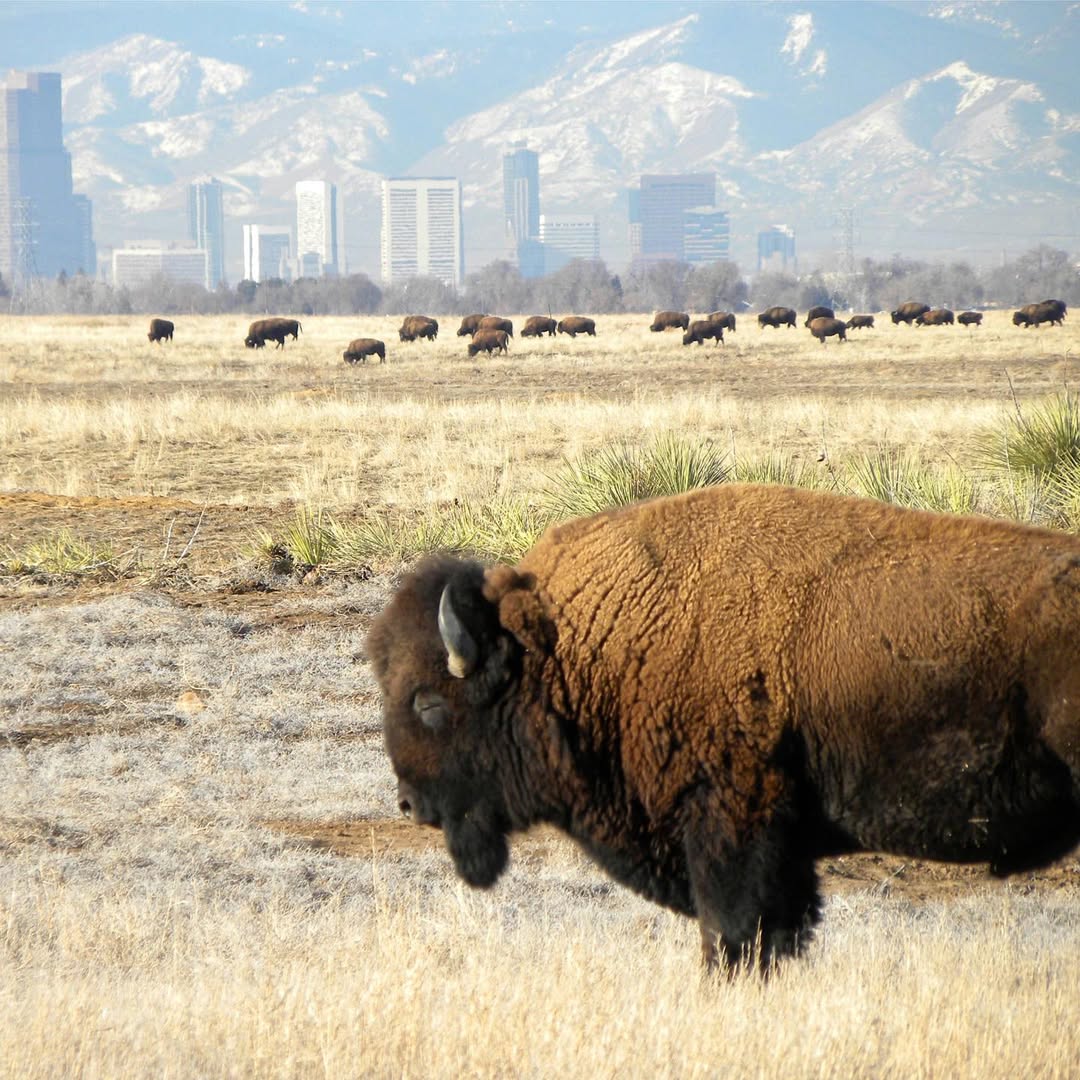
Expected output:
(492, 333)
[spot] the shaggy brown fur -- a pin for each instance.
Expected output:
(908, 312)
(489, 341)
(701, 329)
(577, 324)
(713, 690)
(776, 317)
(826, 327)
(418, 326)
(493, 322)
(538, 326)
(359, 349)
(969, 318)
(669, 320)
(1051, 311)
(160, 330)
(937, 317)
(726, 319)
(273, 329)
(861, 322)
(469, 324)
(819, 312)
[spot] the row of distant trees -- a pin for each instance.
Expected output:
(585, 286)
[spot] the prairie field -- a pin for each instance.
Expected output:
(202, 867)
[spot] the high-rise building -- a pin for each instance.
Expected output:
(633, 220)
(521, 207)
(140, 265)
(84, 220)
(663, 204)
(422, 232)
(317, 226)
(776, 248)
(42, 229)
(206, 226)
(267, 252)
(706, 234)
(568, 236)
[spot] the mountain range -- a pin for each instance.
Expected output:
(946, 129)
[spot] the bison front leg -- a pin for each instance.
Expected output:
(754, 886)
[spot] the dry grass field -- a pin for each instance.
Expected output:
(201, 868)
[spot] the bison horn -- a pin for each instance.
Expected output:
(461, 650)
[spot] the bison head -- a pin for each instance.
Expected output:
(250, 342)
(446, 666)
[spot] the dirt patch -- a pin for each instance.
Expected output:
(912, 879)
(45, 734)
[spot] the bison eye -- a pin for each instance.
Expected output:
(430, 708)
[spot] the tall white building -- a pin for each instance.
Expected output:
(267, 252)
(317, 224)
(568, 236)
(140, 265)
(422, 230)
(206, 226)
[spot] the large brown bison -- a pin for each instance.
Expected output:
(936, 317)
(1051, 311)
(776, 317)
(160, 330)
(711, 691)
(469, 324)
(577, 324)
(969, 318)
(726, 319)
(489, 341)
(702, 329)
(493, 322)
(824, 327)
(669, 320)
(538, 326)
(860, 322)
(418, 326)
(273, 329)
(359, 349)
(819, 312)
(909, 312)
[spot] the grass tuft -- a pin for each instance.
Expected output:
(62, 554)
(1040, 441)
(778, 468)
(898, 476)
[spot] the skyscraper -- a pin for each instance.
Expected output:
(206, 226)
(267, 252)
(521, 208)
(776, 248)
(566, 237)
(663, 204)
(706, 234)
(41, 228)
(422, 230)
(317, 225)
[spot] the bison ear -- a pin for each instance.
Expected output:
(462, 651)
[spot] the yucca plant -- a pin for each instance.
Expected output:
(309, 539)
(1040, 441)
(777, 468)
(898, 476)
(64, 554)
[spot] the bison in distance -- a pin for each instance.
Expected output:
(819, 312)
(969, 318)
(860, 322)
(724, 319)
(160, 330)
(493, 322)
(776, 317)
(418, 326)
(669, 320)
(359, 349)
(538, 326)
(702, 329)
(1051, 311)
(711, 691)
(824, 327)
(489, 341)
(469, 324)
(275, 329)
(577, 324)
(909, 312)
(937, 317)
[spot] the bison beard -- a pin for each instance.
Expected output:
(477, 844)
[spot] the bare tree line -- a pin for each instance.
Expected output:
(581, 286)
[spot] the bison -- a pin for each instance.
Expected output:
(359, 349)
(711, 691)
(1051, 311)
(469, 324)
(825, 327)
(969, 318)
(726, 319)
(418, 326)
(493, 322)
(669, 320)
(538, 326)
(937, 317)
(700, 329)
(860, 322)
(489, 341)
(273, 329)
(577, 324)
(819, 312)
(776, 317)
(160, 330)
(907, 313)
